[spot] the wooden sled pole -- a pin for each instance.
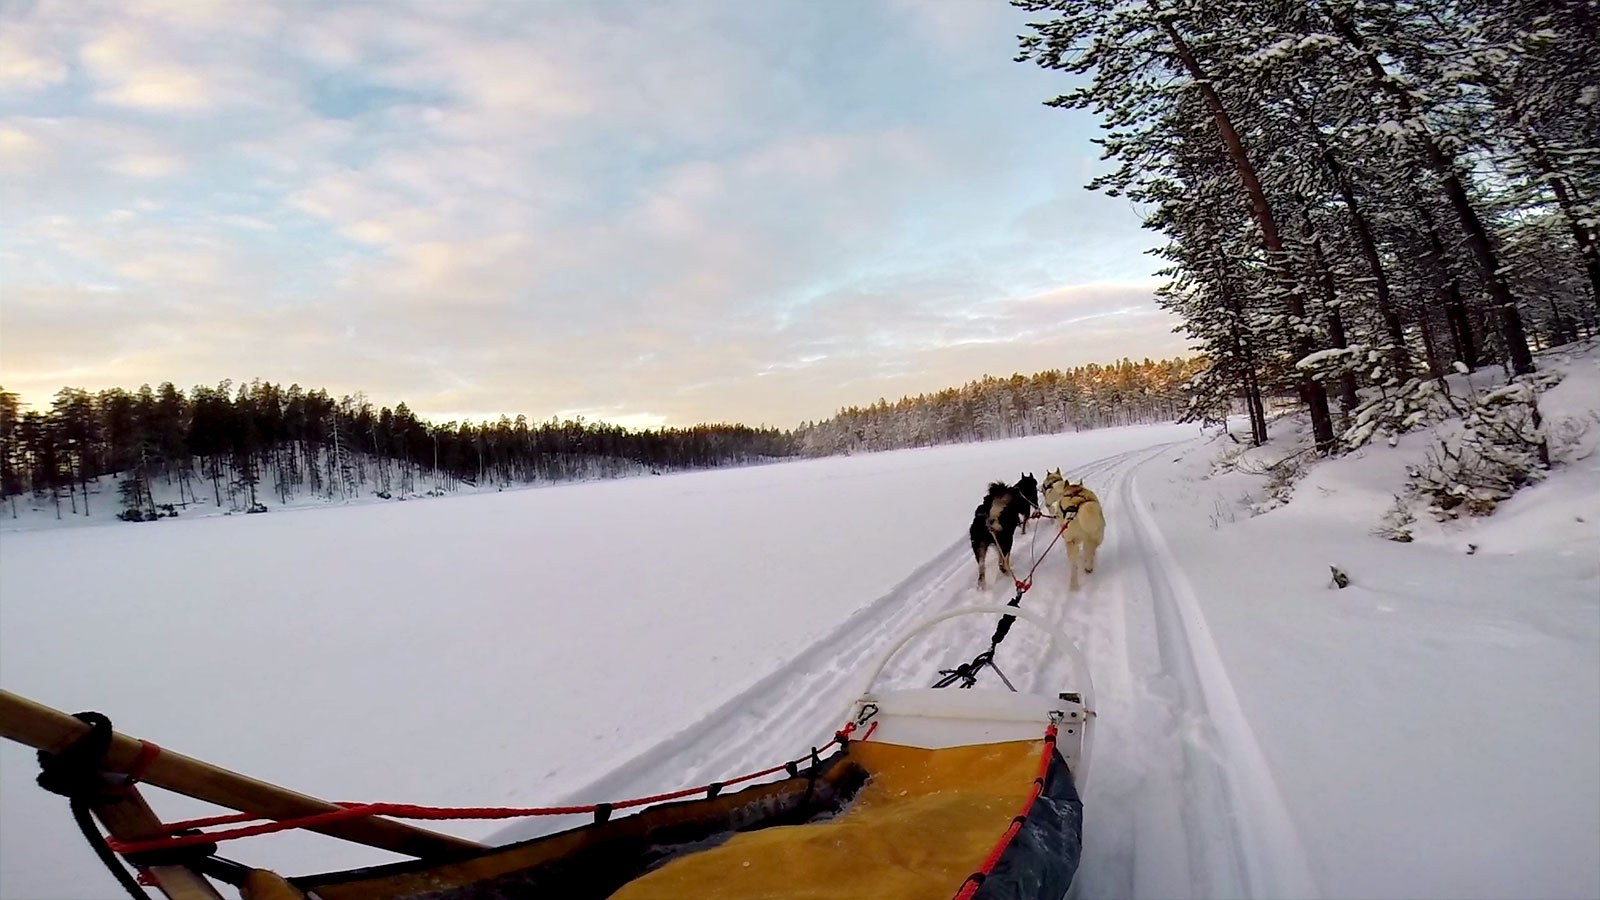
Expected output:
(43, 728)
(129, 818)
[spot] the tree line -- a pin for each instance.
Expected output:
(1353, 194)
(239, 447)
(1091, 396)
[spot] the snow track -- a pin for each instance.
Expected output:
(1181, 803)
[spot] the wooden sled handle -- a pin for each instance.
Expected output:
(51, 730)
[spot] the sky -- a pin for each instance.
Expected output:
(646, 213)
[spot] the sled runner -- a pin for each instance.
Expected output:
(923, 793)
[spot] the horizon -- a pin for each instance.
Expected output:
(530, 207)
(44, 403)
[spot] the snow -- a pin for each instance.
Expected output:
(1431, 730)
(499, 648)
(1434, 726)
(39, 512)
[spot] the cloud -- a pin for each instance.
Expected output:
(20, 151)
(147, 165)
(131, 71)
(29, 61)
(715, 211)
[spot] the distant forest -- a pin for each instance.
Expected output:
(246, 447)
(1092, 396)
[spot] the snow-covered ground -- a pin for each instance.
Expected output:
(1432, 730)
(204, 498)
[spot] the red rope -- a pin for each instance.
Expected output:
(210, 822)
(408, 811)
(1024, 584)
(975, 880)
(141, 763)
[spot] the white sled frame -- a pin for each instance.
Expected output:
(951, 717)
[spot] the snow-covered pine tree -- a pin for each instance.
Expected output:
(1143, 60)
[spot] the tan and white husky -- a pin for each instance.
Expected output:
(1078, 514)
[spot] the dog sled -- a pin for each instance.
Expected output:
(923, 793)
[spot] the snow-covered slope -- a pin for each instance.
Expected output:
(1435, 727)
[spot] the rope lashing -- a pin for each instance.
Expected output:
(76, 773)
(187, 834)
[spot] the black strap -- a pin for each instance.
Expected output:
(1004, 627)
(172, 856)
(75, 773)
(967, 672)
(108, 858)
(962, 673)
(811, 777)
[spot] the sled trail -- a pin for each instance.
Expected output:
(1163, 814)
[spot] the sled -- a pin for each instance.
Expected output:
(924, 793)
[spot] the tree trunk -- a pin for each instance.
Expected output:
(1509, 319)
(1380, 280)
(1587, 241)
(1582, 236)
(1455, 306)
(1252, 385)
(1365, 241)
(1311, 393)
(1330, 299)
(1430, 347)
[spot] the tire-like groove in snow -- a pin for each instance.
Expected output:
(1259, 852)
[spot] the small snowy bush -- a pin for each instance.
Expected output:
(1502, 446)
(1394, 410)
(1281, 478)
(1227, 461)
(1396, 523)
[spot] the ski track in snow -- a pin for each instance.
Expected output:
(1180, 802)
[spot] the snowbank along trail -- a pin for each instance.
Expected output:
(1179, 804)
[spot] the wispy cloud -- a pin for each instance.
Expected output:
(648, 214)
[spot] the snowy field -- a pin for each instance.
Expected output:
(1433, 730)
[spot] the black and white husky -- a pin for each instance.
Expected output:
(1027, 487)
(997, 518)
